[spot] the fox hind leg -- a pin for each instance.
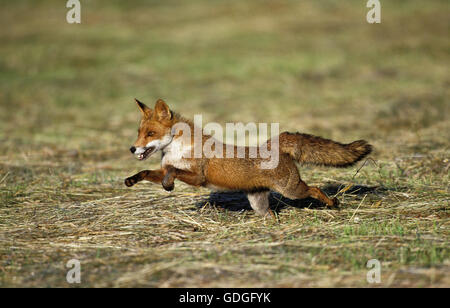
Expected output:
(302, 191)
(295, 188)
(316, 193)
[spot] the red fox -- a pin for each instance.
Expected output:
(243, 174)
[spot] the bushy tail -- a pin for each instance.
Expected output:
(306, 148)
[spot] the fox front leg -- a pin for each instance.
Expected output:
(188, 177)
(168, 182)
(155, 176)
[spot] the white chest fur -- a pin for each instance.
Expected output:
(175, 155)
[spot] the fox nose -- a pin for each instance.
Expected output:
(133, 149)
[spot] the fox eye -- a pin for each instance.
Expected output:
(150, 134)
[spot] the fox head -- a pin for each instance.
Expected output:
(154, 132)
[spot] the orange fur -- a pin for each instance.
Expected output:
(241, 174)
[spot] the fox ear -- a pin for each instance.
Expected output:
(162, 111)
(146, 112)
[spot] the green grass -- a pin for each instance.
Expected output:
(67, 119)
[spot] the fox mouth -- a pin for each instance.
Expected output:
(146, 153)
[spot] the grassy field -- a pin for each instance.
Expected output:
(67, 119)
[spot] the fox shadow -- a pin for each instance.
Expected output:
(237, 200)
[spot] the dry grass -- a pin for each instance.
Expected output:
(67, 119)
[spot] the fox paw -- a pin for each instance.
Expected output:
(130, 181)
(168, 186)
(335, 203)
(168, 183)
